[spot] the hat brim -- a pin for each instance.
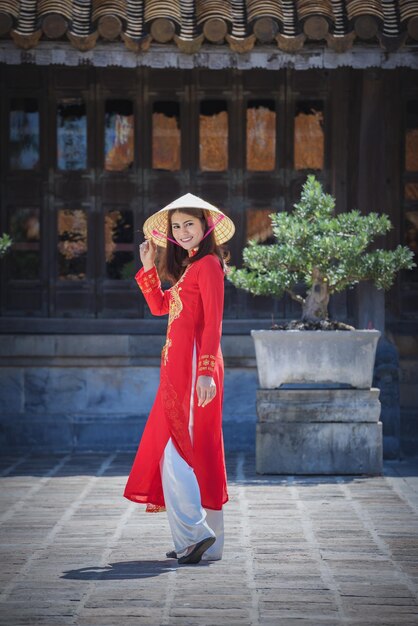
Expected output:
(156, 225)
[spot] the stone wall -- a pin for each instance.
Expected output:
(66, 392)
(407, 346)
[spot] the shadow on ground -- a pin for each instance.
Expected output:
(126, 569)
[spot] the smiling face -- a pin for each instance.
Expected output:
(187, 230)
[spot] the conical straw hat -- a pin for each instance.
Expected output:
(155, 227)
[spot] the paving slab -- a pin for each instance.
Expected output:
(299, 550)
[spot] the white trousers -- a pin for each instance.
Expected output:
(189, 521)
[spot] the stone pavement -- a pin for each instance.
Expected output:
(300, 550)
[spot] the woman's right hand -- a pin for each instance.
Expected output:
(147, 253)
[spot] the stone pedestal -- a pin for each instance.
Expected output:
(318, 431)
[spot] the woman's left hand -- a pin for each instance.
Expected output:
(206, 390)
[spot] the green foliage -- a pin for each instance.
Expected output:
(314, 240)
(5, 243)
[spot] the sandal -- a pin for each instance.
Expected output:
(196, 554)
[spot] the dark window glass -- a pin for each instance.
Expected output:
(72, 244)
(411, 139)
(213, 136)
(411, 192)
(259, 227)
(24, 134)
(261, 135)
(25, 255)
(411, 240)
(166, 136)
(71, 134)
(119, 135)
(309, 136)
(119, 245)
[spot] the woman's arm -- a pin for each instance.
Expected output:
(211, 284)
(150, 285)
(149, 281)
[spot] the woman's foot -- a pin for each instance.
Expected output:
(194, 555)
(172, 554)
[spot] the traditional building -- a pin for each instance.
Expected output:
(112, 108)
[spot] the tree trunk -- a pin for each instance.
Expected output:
(315, 307)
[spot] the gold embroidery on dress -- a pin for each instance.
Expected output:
(176, 417)
(167, 345)
(154, 508)
(206, 363)
(148, 281)
(174, 310)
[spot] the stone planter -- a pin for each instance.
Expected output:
(339, 357)
(317, 412)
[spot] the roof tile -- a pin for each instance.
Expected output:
(241, 24)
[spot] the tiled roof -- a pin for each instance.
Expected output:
(241, 24)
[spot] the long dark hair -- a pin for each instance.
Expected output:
(173, 260)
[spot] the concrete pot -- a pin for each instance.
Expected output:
(344, 357)
(323, 429)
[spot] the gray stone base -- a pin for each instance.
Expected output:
(318, 431)
(308, 448)
(101, 406)
(72, 433)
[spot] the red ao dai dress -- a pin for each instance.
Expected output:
(181, 452)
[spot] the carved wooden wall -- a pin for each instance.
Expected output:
(92, 152)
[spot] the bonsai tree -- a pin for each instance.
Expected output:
(5, 243)
(324, 251)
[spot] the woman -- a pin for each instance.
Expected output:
(180, 463)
